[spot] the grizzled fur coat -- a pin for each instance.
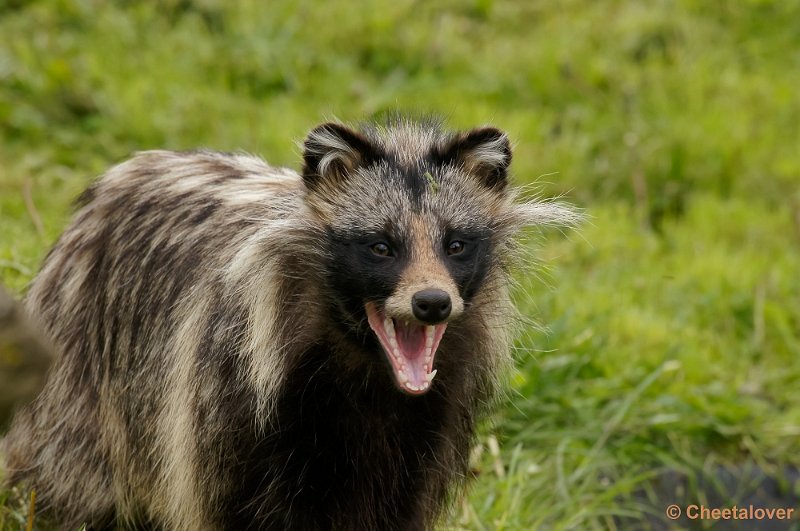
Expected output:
(248, 347)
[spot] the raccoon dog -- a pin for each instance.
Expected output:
(246, 347)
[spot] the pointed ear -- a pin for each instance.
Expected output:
(485, 152)
(332, 151)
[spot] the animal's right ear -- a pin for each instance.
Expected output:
(332, 151)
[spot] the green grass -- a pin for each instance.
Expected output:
(672, 318)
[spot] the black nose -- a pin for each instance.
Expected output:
(431, 305)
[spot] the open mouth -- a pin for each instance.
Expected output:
(410, 348)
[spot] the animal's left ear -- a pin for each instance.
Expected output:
(485, 152)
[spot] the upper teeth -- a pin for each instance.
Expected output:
(429, 331)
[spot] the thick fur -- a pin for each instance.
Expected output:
(215, 368)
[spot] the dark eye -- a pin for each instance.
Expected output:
(455, 247)
(381, 249)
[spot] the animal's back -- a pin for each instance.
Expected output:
(147, 250)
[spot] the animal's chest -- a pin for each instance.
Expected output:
(344, 455)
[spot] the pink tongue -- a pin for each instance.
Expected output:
(411, 343)
(410, 339)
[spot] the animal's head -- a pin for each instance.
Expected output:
(418, 221)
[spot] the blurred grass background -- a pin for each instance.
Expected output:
(672, 317)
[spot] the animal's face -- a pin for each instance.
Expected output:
(411, 216)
